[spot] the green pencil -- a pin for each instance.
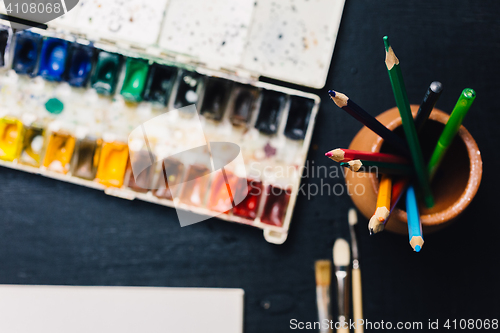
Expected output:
(398, 87)
(378, 167)
(450, 130)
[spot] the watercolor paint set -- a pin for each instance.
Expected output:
(74, 96)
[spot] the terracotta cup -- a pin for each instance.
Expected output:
(453, 187)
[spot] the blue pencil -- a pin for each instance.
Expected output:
(414, 224)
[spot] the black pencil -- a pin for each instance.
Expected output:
(430, 99)
(346, 104)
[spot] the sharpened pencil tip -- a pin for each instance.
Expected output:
(328, 154)
(417, 248)
(386, 43)
(331, 93)
(371, 231)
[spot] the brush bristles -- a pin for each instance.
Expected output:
(323, 272)
(341, 253)
(353, 217)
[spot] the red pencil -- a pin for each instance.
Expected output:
(398, 189)
(346, 155)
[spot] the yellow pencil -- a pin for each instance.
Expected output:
(383, 210)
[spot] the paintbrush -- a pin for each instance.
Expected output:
(341, 261)
(323, 270)
(357, 299)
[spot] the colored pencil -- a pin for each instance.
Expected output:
(430, 98)
(398, 188)
(378, 167)
(383, 210)
(450, 130)
(346, 104)
(346, 155)
(414, 224)
(403, 105)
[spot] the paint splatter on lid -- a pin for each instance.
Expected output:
(54, 106)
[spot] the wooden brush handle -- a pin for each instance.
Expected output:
(343, 330)
(357, 300)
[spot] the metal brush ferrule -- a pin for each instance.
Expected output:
(341, 272)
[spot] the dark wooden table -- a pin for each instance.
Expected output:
(57, 233)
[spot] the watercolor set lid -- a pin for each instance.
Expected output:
(288, 40)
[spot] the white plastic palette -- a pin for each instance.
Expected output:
(210, 31)
(293, 41)
(287, 40)
(234, 40)
(124, 20)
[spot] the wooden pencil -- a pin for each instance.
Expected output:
(451, 128)
(430, 98)
(414, 223)
(346, 104)
(346, 155)
(383, 210)
(378, 167)
(403, 105)
(398, 188)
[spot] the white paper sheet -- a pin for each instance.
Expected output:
(62, 309)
